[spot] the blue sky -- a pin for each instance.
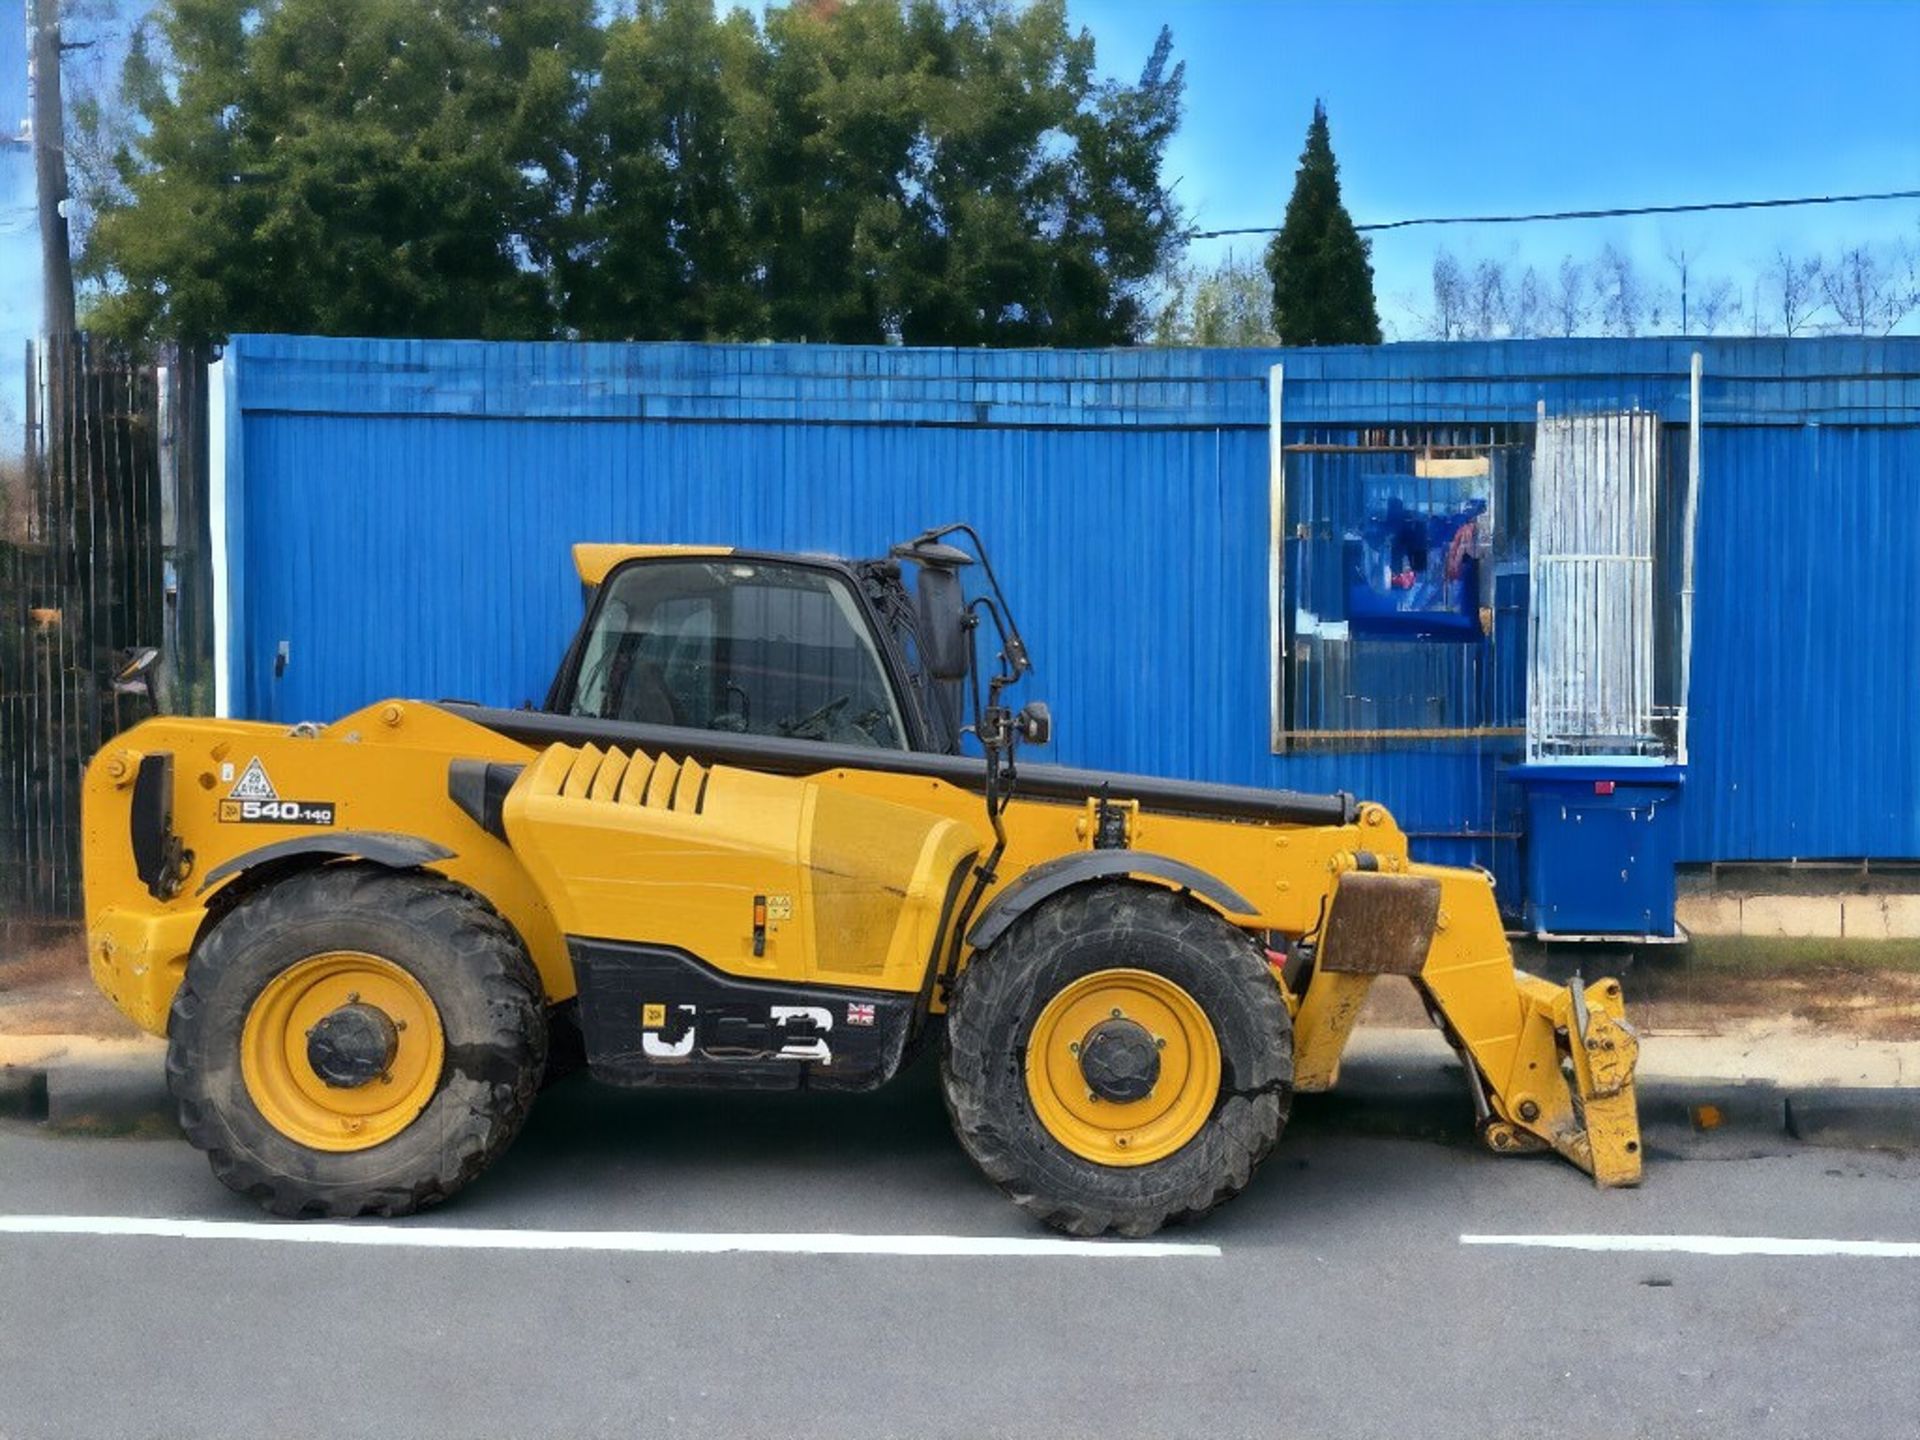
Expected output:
(1493, 108)
(19, 240)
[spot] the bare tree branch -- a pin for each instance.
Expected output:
(1487, 300)
(1793, 289)
(1568, 306)
(1622, 295)
(1715, 303)
(1448, 318)
(1527, 307)
(1867, 290)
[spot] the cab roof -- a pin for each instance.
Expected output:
(596, 561)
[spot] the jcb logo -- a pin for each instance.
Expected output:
(737, 1032)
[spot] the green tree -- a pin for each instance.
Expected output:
(1322, 277)
(1036, 214)
(926, 171)
(100, 114)
(341, 166)
(832, 131)
(957, 174)
(1230, 303)
(660, 247)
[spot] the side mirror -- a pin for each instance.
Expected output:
(134, 677)
(942, 609)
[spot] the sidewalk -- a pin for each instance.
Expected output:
(1708, 1064)
(1784, 1080)
(67, 1057)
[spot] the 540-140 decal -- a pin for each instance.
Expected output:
(277, 812)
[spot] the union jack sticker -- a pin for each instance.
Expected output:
(859, 1014)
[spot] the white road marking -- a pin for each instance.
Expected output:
(650, 1242)
(1708, 1245)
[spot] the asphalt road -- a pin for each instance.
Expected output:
(1341, 1301)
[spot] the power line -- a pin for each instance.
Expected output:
(1610, 213)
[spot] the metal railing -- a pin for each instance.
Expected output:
(1591, 684)
(99, 547)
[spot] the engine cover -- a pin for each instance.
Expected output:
(729, 927)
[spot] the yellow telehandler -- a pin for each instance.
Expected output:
(743, 845)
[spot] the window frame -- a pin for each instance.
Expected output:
(918, 737)
(1383, 438)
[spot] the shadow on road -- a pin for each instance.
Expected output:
(882, 1160)
(584, 1121)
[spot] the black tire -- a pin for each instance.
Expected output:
(1099, 927)
(471, 965)
(566, 1044)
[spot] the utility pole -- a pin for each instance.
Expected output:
(50, 169)
(1682, 262)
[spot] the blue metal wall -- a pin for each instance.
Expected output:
(399, 514)
(1806, 682)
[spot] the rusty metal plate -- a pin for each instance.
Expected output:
(1380, 924)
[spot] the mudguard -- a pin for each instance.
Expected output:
(1082, 866)
(396, 852)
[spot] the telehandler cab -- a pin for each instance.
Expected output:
(741, 846)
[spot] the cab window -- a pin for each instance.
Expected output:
(749, 647)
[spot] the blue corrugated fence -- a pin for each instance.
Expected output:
(400, 514)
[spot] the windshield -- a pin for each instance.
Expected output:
(749, 647)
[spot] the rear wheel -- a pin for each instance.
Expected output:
(354, 1041)
(1122, 1058)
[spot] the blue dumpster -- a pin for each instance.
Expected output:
(1599, 847)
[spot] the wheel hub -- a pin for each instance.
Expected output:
(1122, 1066)
(342, 1050)
(352, 1046)
(1120, 1060)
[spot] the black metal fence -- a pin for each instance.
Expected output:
(102, 552)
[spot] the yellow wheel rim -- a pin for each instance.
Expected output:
(1128, 1009)
(277, 1063)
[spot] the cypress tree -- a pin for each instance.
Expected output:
(1322, 278)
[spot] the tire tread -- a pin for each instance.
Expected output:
(1247, 1122)
(514, 1043)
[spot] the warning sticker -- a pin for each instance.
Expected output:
(253, 784)
(254, 801)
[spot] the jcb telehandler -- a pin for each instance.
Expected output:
(742, 846)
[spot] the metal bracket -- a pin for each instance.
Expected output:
(1380, 924)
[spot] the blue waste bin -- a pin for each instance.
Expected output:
(1600, 847)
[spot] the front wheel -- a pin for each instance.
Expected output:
(354, 1041)
(1122, 1058)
